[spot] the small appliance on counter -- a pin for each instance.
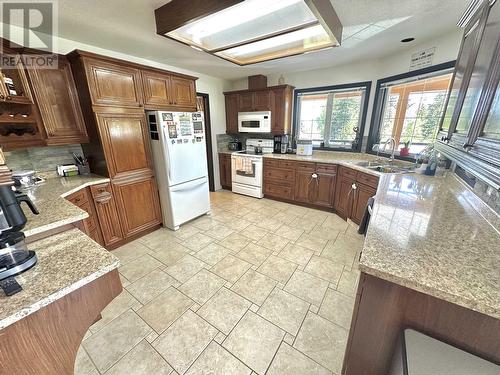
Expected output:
(67, 170)
(304, 147)
(26, 178)
(15, 257)
(235, 145)
(281, 144)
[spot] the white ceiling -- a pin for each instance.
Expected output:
(377, 25)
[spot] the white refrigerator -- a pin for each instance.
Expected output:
(180, 160)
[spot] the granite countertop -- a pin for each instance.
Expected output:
(66, 261)
(55, 211)
(433, 235)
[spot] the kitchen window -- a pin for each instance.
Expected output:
(409, 108)
(332, 117)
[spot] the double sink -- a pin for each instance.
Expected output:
(385, 166)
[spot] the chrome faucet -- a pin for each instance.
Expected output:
(392, 141)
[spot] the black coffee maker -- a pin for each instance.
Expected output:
(14, 254)
(280, 144)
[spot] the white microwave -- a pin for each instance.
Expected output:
(254, 122)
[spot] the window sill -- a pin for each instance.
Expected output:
(335, 149)
(410, 157)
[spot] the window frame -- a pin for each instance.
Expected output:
(364, 111)
(379, 104)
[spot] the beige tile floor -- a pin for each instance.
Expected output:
(257, 287)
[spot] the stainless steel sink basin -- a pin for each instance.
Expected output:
(369, 164)
(391, 169)
(384, 167)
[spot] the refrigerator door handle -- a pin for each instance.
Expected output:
(169, 160)
(189, 185)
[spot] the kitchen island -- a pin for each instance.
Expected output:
(430, 262)
(42, 326)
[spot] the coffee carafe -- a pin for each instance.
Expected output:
(14, 254)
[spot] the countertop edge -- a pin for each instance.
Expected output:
(72, 219)
(436, 293)
(56, 296)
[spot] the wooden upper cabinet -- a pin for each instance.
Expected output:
(58, 103)
(138, 204)
(277, 99)
(16, 79)
(125, 142)
(183, 92)
(245, 102)
(113, 84)
(262, 100)
(165, 91)
(231, 113)
(156, 89)
(281, 110)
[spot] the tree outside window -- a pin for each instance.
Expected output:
(331, 118)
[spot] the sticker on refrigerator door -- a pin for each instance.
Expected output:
(172, 131)
(167, 117)
(185, 124)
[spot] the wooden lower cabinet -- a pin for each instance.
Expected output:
(362, 194)
(383, 310)
(320, 185)
(304, 185)
(226, 179)
(354, 188)
(302, 182)
(107, 213)
(325, 190)
(90, 226)
(138, 204)
(343, 199)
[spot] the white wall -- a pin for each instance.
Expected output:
(212, 86)
(447, 48)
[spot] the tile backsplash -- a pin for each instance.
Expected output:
(223, 139)
(41, 159)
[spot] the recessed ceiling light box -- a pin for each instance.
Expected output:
(251, 31)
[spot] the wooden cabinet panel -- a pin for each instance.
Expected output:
(280, 191)
(281, 110)
(125, 142)
(183, 92)
(138, 205)
(113, 85)
(156, 89)
(58, 102)
(324, 194)
(304, 185)
(367, 179)
(361, 196)
(231, 113)
(225, 171)
(107, 213)
(245, 102)
(262, 100)
(279, 174)
(343, 195)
